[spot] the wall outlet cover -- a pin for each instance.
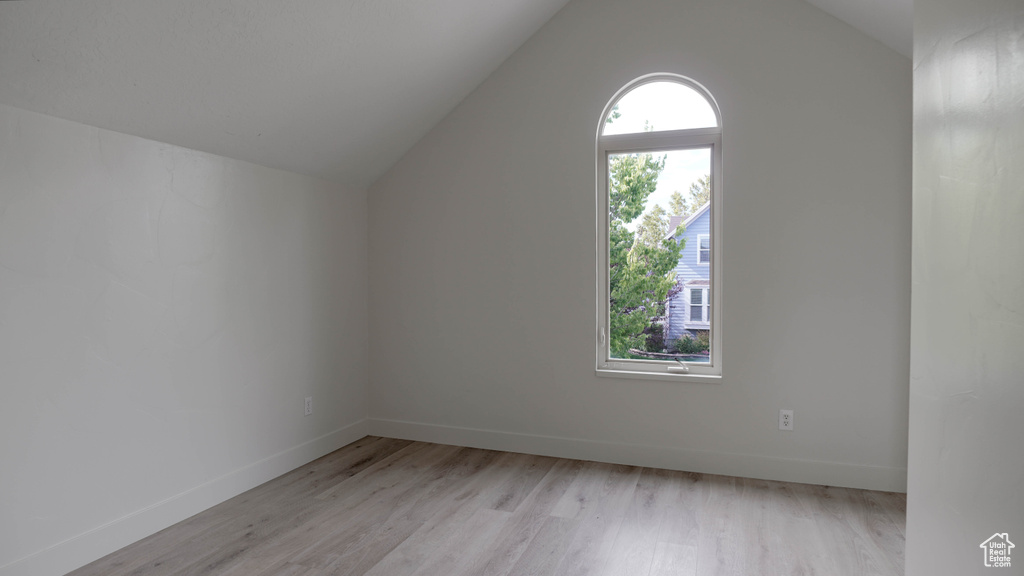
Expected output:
(785, 419)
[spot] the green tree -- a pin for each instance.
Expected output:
(700, 194)
(633, 177)
(640, 273)
(653, 227)
(677, 205)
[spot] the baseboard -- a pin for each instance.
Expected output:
(728, 464)
(102, 540)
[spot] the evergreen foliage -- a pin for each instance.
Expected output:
(700, 194)
(641, 266)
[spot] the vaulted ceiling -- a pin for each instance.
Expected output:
(337, 89)
(891, 22)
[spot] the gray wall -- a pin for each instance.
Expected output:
(163, 314)
(482, 264)
(966, 471)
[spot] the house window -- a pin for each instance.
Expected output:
(659, 197)
(703, 249)
(697, 305)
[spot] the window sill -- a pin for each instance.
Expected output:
(636, 375)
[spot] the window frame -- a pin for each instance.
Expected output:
(701, 250)
(705, 305)
(669, 140)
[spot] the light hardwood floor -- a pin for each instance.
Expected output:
(392, 507)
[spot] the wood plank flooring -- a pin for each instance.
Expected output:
(384, 507)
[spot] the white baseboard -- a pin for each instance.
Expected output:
(727, 464)
(102, 540)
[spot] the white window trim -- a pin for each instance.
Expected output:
(705, 308)
(649, 142)
(699, 263)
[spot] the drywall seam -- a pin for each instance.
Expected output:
(888, 479)
(102, 540)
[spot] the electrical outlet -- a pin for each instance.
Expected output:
(309, 405)
(785, 419)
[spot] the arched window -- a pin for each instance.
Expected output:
(659, 231)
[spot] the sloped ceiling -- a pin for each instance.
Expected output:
(336, 89)
(891, 22)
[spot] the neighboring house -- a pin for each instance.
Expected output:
(688, 312)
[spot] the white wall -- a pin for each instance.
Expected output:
(163, 313)
(482, 263)
(966, 473)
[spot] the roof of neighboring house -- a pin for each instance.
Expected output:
(698, 282)
(673, 221)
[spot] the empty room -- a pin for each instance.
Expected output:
(657, 287)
